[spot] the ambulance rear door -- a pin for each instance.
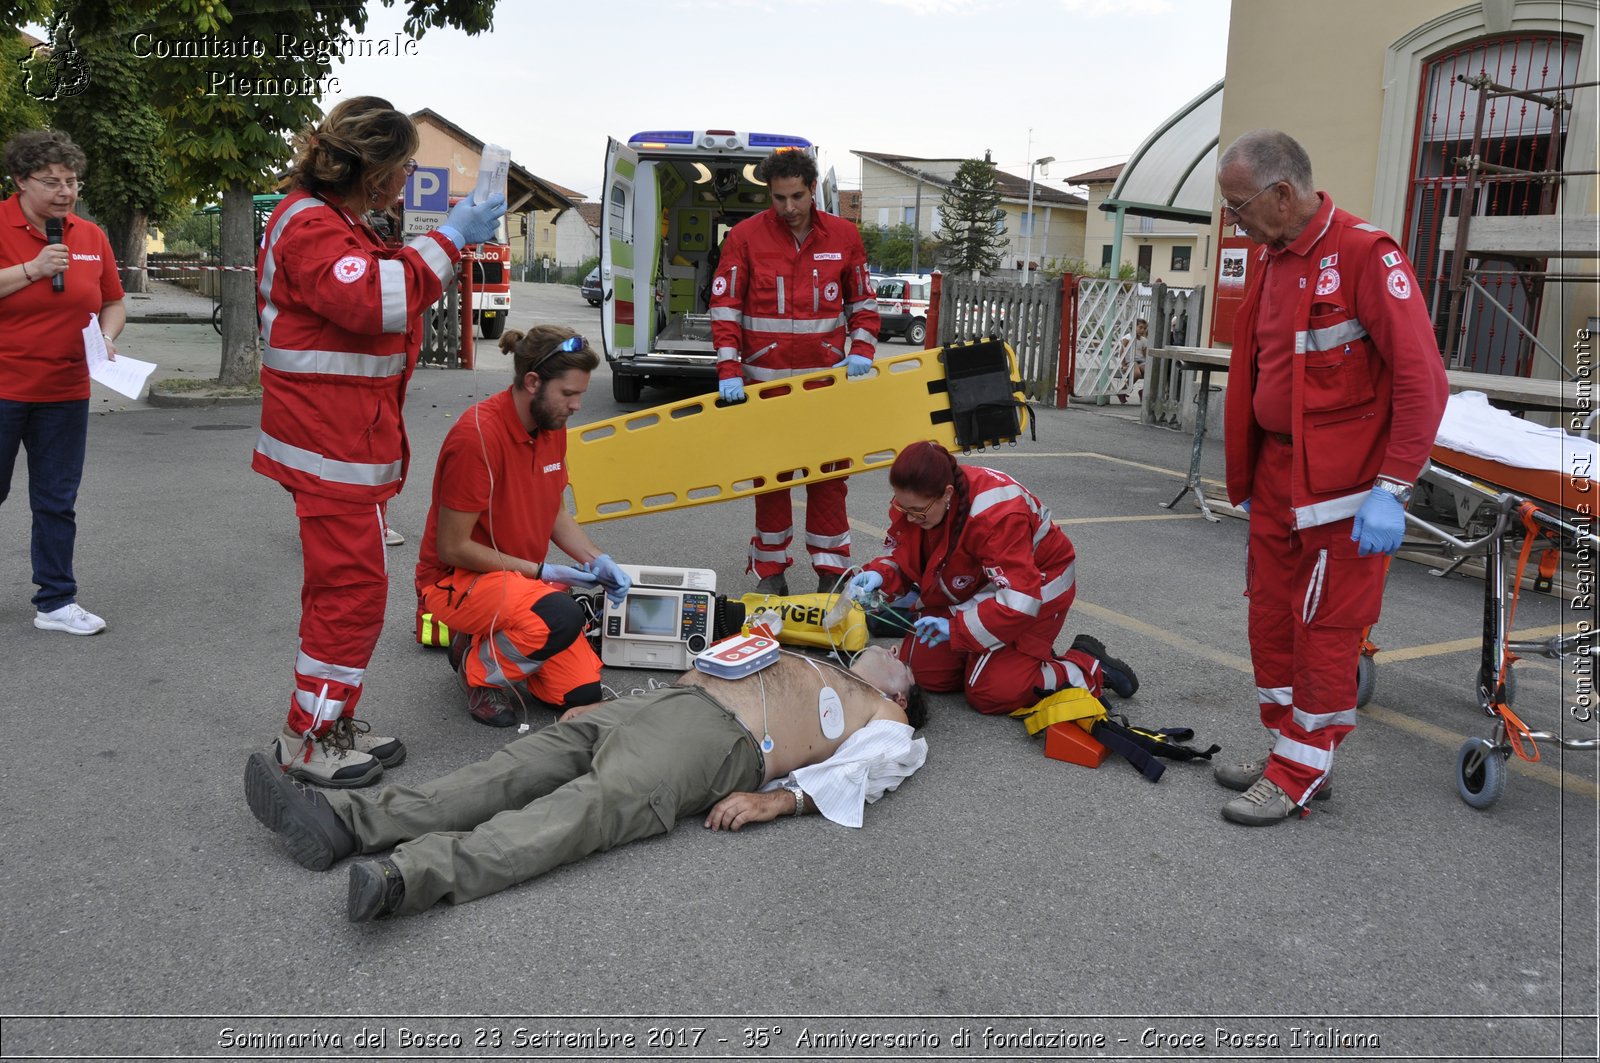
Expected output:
(617, 288)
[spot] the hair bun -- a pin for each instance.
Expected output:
(509, 340)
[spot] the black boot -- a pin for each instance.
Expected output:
(376, 890)
(1117, 675)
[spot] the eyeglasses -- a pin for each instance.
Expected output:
(410, 167)
(55, 184)
(915, 512)
(1229, 208)
(570, 345)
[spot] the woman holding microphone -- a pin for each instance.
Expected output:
(44, 376)
(341, 328)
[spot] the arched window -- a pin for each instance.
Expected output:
(1515, 133)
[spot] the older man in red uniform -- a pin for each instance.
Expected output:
(1336, 389)
(791, 283)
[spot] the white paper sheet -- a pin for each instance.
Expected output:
(122, 374)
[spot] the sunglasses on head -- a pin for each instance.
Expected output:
(570, 345)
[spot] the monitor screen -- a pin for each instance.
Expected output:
(651, 614)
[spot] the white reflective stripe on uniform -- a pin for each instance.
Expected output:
(994, 496)
(980, 634)
(767, 555)
(760, 373)
(1016, 600)
(324, 468)
(392, 293)
(800, 326)
(888, 562)
(334, 363)
(1313, 598)
(435, 257)
(311, 667)
(1300, 753)
(733, 281)
(727, 354)
(977, 669)
(1326, 339)
(824, 541)
(1043, 529)
(503, 647)
(1316, 721)
(321, 708)
(724, 313)
(861, 335)
(1060, 585)
(1275, 695)
(1326, 512)
(780, 297)
(269, 262)
(383, 534)
(866, 304)
(827, 560)
(774, 538)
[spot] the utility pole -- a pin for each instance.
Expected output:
(1043, 164)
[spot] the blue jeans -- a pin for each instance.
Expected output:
(56, 436)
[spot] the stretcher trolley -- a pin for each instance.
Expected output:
(1539, 513)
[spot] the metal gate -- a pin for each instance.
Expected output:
(1107, 310)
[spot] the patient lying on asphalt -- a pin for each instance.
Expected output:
(788, 740)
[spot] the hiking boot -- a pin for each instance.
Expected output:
(390, 752)
(1262, 805)
(331, 760)
(1243, 774)
(491, 706)
(774, 585)
(71, 618)
(376, 890)
(1116, 674)
(315, 834)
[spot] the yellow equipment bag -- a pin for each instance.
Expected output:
(802, 616)
(794, 431)
(1073, 703)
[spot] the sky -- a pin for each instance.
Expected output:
(926, 78)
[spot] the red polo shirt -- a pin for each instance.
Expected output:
(41, 330)
(1280, 298)
(491, 466)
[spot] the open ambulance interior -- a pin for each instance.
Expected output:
(669, 200)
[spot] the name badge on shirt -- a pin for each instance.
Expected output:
(833, 256)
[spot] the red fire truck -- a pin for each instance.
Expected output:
(491, 282)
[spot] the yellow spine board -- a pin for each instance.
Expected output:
(806, 428)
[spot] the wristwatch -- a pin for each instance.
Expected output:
(1402, 492)
(799, 797)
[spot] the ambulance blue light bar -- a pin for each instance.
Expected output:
(777, 141)
(657, 137)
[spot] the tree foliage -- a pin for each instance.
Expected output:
(970, 209)
(889, 250)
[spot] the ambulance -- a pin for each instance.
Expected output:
(670, 197)
(903, 306)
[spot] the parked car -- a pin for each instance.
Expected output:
(903, 306)
(590, 288)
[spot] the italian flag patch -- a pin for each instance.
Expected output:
(1392, 259)
(1329, 262)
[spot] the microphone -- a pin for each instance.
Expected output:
(52, 232)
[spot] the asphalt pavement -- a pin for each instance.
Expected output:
(998, 905)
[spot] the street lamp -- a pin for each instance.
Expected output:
(1027, 247)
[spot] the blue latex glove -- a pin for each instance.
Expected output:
(859, 365)
(862, 584)
(474, 223)
(1380, 524)
(550, 572)
(611, 577)
(932, 630)
(731, 389)
(1245, 505)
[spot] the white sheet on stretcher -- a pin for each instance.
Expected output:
(1472, 426)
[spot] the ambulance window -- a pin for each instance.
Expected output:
(891, 289)
(919, 290)
(620, 224)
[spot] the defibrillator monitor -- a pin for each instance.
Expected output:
(667, 617)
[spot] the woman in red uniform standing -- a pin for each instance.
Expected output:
(341, 322)
(995, 578)
(44, 377)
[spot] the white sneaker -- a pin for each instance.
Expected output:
(392, 537)
(73, 619)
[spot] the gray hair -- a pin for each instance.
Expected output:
(1271, 156)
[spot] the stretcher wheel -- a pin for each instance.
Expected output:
(1480, 772)
(1366, 680)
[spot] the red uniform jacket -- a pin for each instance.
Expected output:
(1010, 568)
(1368, 387)
(340, 330)
(781, 309)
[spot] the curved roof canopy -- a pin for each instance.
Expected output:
(1173, 174)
